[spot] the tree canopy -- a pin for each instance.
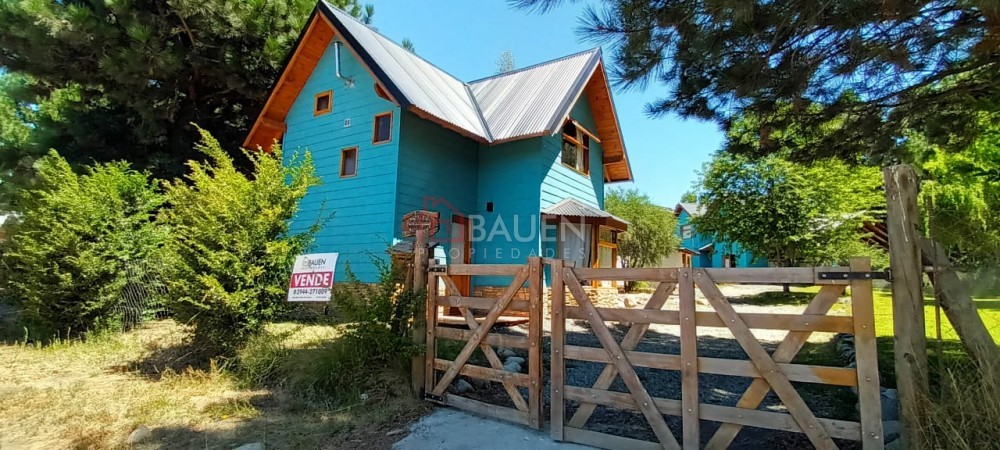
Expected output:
(880, 67)
(792, 213)
(652, 230)
(102, 81)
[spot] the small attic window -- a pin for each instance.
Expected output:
(383, 128)
(323, 103)
(575, 148)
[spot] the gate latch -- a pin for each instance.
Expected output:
(876, 275)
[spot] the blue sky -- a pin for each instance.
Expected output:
(466, 37)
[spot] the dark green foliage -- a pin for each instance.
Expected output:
(67, 263)
(651, 234)
(124, 79)
(791, 213)
(232, 248)
(868, 62)
(378, 314)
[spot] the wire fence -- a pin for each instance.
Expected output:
(142, 297)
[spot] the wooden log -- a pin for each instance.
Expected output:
(689, 362)
(866, 355)
(556, 362)
(419, 328)
(910, 341)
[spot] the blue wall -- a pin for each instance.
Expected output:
(437, 171)
(363, 206)
(561, 182)
(714, 259)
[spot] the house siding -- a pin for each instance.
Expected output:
(363, 206)
(438, 171)
(714, 259)
(561, 182)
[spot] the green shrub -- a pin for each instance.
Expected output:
(371, 359)
(67, 263)
(232, 248)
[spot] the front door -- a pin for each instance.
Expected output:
(460, 252)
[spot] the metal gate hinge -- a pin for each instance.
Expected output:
(437, 269)
(882, 275)
(432, 397)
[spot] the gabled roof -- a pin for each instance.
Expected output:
(529, 102)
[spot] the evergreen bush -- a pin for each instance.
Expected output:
(232, 248)
(67, 262)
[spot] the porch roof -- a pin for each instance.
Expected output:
(571, 207)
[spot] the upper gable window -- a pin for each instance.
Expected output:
(575, 148)
(383, 128)
(323, 103)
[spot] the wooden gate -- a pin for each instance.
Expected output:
(770, 371)
(478, 332)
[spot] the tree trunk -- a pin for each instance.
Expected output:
(958, 306)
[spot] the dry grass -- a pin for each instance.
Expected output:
(94, 394)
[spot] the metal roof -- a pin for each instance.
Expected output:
(693, 209)
(535, 99)
(574, 208)
(521, 103)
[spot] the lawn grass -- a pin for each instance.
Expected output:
(93, 394)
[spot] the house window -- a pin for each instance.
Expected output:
(686, 232)
(323, 103)
(575, 148)
(348, 162)
(574, 243)
(383, 128)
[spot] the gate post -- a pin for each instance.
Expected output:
(558, 337)
(419, 329)
(866, 355)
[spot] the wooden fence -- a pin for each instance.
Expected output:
(478, 333)
(770, 371)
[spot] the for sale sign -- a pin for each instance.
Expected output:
(312, 277)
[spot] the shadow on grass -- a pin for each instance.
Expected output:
(774, 298)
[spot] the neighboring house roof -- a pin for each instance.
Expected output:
(520, 104)
(707, 247)
(693, 209)
(571, 207)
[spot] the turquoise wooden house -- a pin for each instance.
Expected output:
(700, 250)
(515, 164)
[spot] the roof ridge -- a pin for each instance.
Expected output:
(535, 66)
(376, 31)
(479, 112)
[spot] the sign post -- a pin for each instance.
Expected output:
(312, 277)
